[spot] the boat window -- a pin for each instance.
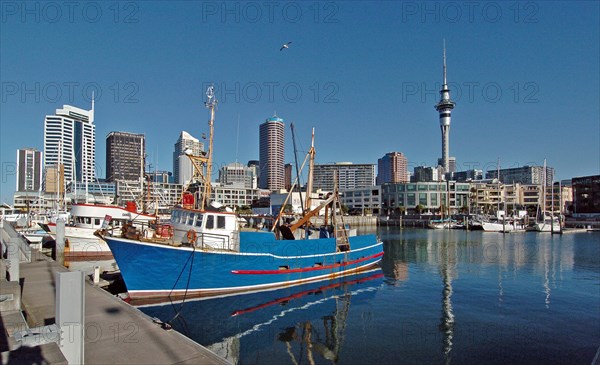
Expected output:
(96, 221)
(182, 217)
(190, 219)
(221, 222)
(199, 220)
(88, 220)
(174, 216)
(210, 221)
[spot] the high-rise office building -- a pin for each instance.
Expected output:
(392, 168)
(70, 140)
(288, 176)
(272, 154)
(444, 108)
(125, 155)
(29, 169)
(183, 169)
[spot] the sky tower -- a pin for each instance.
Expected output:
(444, 107)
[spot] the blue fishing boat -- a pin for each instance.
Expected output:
(205, 252)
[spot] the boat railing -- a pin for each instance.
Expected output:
(214, 240)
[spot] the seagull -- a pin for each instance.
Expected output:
(287, 45)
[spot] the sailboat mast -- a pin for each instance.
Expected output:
(544, 192)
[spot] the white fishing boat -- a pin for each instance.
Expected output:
(88, 218)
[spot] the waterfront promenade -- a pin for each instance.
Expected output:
(115, 332)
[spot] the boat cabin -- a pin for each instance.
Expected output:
(205, 228)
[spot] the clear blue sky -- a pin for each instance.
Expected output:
(525, 78)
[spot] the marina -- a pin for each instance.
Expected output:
(438, 296)
(166, 203)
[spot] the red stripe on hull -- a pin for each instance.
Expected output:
(305, 269)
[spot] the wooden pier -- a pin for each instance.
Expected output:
(113, 331)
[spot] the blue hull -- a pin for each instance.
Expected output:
(153, 270)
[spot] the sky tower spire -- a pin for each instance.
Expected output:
(444, 108)
(445, 62)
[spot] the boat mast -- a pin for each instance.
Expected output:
(205, 160)
(297, 171)
(311, 165)
(211, 103)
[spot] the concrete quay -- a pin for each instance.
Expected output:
(114, 331)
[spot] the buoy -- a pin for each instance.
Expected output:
(191, 236)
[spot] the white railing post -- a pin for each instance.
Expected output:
(70, 314)
(12, 254)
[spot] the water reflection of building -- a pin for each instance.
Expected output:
(395, 263)
(448, 257)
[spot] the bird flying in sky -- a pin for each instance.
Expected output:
(287, 45)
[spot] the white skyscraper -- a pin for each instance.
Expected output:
(70, 139)
(183, 168)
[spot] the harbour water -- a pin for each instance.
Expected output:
(440, 296)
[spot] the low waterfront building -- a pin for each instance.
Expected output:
(427, 197)
(489, 197)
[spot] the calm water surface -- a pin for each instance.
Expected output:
(439, 297)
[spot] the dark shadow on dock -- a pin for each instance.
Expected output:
(26, 355)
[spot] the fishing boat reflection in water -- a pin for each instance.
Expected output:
(301, 324)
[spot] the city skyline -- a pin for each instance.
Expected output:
(524, 77)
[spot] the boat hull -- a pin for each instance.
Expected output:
(499, 227)
(547, 227)
(153, 270)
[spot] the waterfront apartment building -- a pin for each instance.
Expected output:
(125, 155)
(586, 195)
(392, 168)
(431, 197)
(533, 175)
(272, 154)
(236, 175)
(362, 200)
(183, 169)
(349, 176)
(29, 169)
(70, 140)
